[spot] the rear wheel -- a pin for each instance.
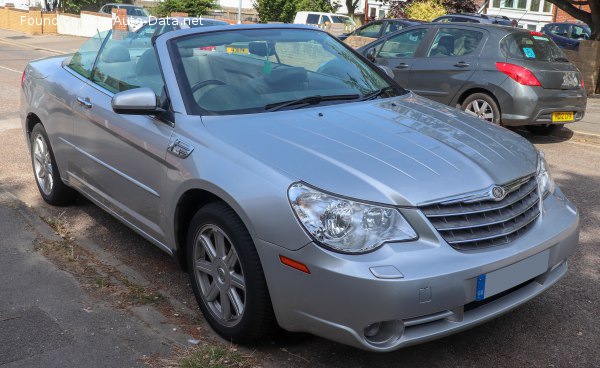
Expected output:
(547, 129)
(226, 275)
(482, 106)
(47, 177)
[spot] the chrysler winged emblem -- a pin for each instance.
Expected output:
(497, 193)
(570, 80)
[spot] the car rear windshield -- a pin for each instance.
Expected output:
(531, 46)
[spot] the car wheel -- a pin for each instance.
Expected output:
(482, 106)
(226, 275)
(546, 129)
(47, 177)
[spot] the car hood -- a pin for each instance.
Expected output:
(404, 151)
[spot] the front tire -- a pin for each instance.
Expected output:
(45, 170)
(544, 130)
(483, 106)
(227, 276)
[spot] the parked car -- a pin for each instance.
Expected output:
(137, 16)
(158, 26)
(505, 75)
(474, 18)
(301, 188)
(567, 35)
(316, 18)
(382, 27)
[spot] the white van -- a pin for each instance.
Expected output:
(316, 18)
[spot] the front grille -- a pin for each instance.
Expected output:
(487, 223)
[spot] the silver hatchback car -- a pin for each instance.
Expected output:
(298, 184)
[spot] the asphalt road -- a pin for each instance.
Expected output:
(560, 328)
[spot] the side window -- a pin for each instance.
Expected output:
(147, 30)
(393, 27)
(371, 30)
(579, 33)
(402, 45)
(121, 67)
(454, 42)
(444, 20)
(312, 19)
(107, 9)
(83, 60)
(560, 30)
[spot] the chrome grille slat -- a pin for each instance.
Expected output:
(456, 209)
(467, 221)
(488, 223)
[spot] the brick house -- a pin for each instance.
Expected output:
(561, 16)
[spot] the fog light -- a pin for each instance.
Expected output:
(372, 330)
(385, 333)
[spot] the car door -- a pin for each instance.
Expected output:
(120, 159)
(398, 52)
(449, 62)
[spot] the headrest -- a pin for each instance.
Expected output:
(147, 64)
(116, 54)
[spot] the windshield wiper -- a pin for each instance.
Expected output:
(560, 59)
(373, 95)
(309, 100)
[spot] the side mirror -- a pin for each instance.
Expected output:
(371, 54)
(138, 101)
(387, 70)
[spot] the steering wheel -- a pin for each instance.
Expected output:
(205, 83)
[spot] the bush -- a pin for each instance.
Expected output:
(425, 10)
(194, 8)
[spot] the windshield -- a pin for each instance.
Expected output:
(259, 70)
(531, 46)
(136, 12)
(341, 19)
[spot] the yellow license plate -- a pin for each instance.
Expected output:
(237, 50)
(563, 116)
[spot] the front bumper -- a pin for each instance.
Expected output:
(524, 105)
(434, 296)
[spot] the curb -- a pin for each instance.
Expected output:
(590, 138)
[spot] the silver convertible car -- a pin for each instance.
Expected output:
(298, 184)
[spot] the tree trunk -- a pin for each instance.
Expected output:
(351, 6)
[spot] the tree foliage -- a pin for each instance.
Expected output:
(192, 7)
(398, 9)
(574, 9)
(425, 10)
(275, 10)
(314, 5)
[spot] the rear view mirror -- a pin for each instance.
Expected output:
(138, 101)
(370, 54)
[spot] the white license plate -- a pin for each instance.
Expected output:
(495, 282)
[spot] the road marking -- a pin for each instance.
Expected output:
(10, 70)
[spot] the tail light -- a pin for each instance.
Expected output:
(520, 74)
(582, 84)
(23, 77)
(534, 33)
(208, 48)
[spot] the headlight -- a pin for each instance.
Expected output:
(347, 226)
(544, 177)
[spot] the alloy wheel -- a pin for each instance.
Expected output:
(481, 109)
(219, 274)
(42, 164)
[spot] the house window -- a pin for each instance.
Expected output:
(518, 4)
(534, 6)
(547, 7)
(496, 4)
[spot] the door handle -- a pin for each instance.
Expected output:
(461, 64)
(401, 66)
(85, 102)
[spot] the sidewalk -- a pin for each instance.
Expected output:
(57, 44)
(46, 320)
